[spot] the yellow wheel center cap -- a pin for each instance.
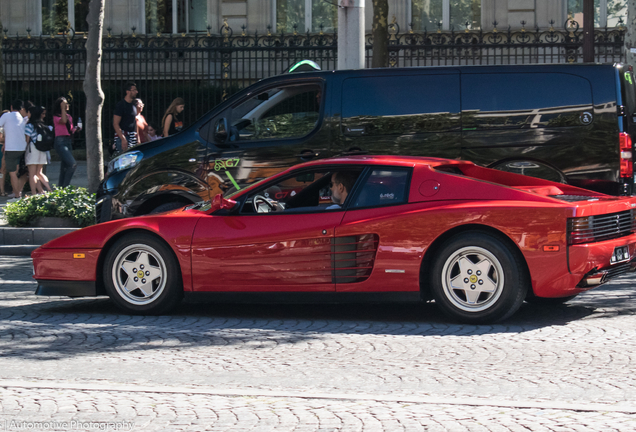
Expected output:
(141, 274)
(473, 278)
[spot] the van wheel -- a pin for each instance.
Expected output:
(478, 279)
(141, 275)
(531, 168)
(168, 206)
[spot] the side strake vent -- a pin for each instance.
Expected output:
(352, 257)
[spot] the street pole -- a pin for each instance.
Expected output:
(588, 31)
(351, 34)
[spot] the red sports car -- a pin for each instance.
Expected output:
(383, 228)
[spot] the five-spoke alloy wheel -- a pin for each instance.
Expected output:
(141, 275)
(477, 278)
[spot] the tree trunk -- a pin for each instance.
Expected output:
(630, 34)
(94, 95)
(380, 32)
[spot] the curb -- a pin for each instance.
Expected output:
(23, 241)
(17, 250)
(410, 399)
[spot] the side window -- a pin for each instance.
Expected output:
(313, 191)
(399, 105)
(525, 101)
(385, 186)
(277, 113)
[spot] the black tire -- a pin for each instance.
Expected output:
(173, 205)
(548, 301)
(476, 278)
(142, 276)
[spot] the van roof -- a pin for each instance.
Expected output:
(563, 68)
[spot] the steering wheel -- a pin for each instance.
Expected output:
(260, 199)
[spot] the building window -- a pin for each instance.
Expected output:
(306, 15)
(57, 14)
(176, 16)
(606, 12)
(455, 14)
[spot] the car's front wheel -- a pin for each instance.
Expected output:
(477, 278)
(141, 275)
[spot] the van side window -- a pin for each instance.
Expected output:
(525, 101)
(385, 186)
(277, 113)
(400, 105)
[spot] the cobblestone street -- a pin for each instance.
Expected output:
(314, 368)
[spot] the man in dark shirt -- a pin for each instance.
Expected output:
(125, 119)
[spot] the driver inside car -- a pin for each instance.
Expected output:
(341, 183)
(307, 192)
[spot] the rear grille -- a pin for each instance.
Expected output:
(592, 229)
(352, 257)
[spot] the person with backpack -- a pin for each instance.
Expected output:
(64, 130)
(39, 139)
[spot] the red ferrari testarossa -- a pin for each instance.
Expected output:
(478, 241)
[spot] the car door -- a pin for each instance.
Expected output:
(265, 132)
(377, 255)
(269, 252)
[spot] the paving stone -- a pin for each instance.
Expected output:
(316, 368)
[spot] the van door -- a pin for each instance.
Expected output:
(540, 124)
(267, 131)
(403, 114)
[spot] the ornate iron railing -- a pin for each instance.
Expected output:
(206, 68)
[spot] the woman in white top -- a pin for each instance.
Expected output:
(34, 158)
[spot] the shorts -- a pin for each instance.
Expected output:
(131, 137)
(13, 160)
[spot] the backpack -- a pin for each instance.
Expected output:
(48, 138)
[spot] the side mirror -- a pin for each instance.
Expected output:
(221, 130)
(221, 203)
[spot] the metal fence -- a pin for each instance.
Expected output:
(206, 68)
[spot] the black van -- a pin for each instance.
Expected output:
(569, 123)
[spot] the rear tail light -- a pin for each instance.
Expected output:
(627, 165)
(580, 230)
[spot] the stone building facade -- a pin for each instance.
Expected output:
(192, 16)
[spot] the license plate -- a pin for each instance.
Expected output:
(621, 254)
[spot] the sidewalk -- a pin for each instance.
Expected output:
(22, 241)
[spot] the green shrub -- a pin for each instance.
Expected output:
(70, 202)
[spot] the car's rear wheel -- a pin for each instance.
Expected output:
(477, 278)
(141, 275)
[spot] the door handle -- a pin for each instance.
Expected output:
(307, 155)
(354, 151)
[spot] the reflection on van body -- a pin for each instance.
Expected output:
(565, 123)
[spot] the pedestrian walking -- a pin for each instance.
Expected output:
(3, 169)
(64, 130)
(39, 138)
(172, 122)
(152, 134)
(142, 125)
(125, 119)
(13, 124)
